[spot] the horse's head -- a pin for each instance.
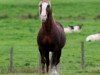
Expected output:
(45, 8)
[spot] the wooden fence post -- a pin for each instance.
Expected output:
(11, 60)
(82, 55)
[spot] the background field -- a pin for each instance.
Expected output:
(19, 25)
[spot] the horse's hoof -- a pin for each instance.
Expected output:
(54, 72)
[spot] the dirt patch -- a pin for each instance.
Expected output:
(62, 18)
(29, 16)
(4, 16)
(79, 17)
(97, 17)
(70, 17)
(26, 70)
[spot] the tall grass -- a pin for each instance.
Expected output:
(19, 25)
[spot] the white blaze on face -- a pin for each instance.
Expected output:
(43, 14)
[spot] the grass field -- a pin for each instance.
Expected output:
(19, 25)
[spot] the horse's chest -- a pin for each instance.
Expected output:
(46, 40)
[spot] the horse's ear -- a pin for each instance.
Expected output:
(45, 0)
(49, 0)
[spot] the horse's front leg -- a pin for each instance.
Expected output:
(55, 60)
(47, 61)
(43, 64)
(42, 60)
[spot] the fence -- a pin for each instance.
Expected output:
(11, 66)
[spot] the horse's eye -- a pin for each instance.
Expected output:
(48, 6)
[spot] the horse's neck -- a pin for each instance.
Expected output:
(47, 26)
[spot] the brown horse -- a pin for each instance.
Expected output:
(51, 38)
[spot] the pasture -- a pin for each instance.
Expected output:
(19, 25)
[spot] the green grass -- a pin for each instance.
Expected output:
(19, 31)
